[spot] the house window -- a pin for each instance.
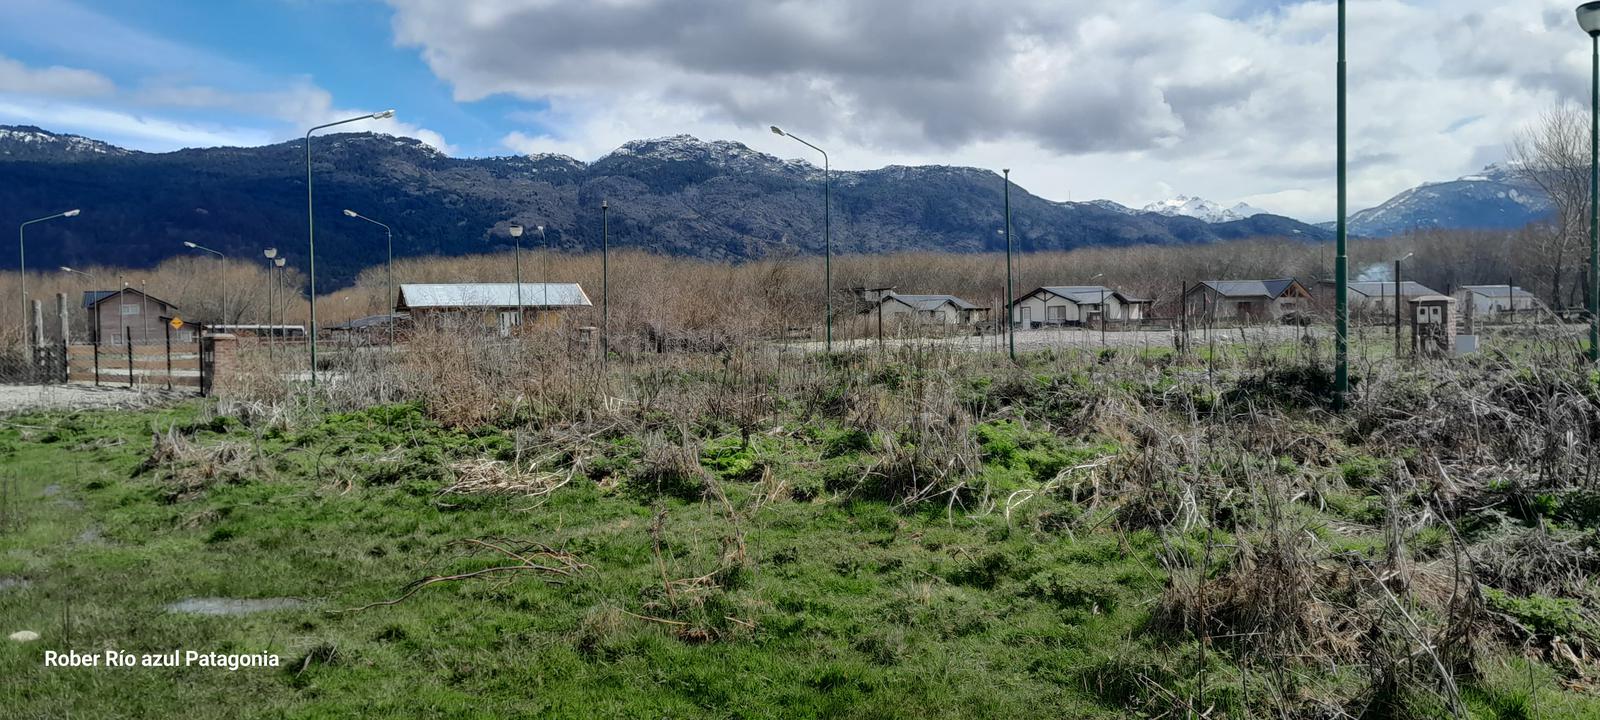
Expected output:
(1058, 313)
(130, 309)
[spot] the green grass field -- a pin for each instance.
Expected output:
(763, 594)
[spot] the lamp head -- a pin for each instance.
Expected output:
(71, 213)
(515, 230)
(352, 213)
(190, 245)
(67, 269)
(270, 253)
(540, 228)
(278, 262)
(776, 131)
(1589, 18)
(386, 114)
(603, 205)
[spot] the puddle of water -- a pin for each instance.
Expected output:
(13, 583)
(232, 606)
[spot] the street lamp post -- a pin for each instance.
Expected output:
(277, 279)
(516, 234)
(1102, 309)
(311, 228)
(605, 283)
(1397, 303)
(388, 270)
(270, 254)
(827, 237)
(22, 266)
(1341, 301)
(545, 285)
(1589, 19)
(66, 269)
(1011, 330)
(222, 260)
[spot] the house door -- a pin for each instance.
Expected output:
(1027, 316)
(1058, 314)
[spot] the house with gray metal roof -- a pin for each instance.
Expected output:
(1077, 305)
(900, 310)
(1248, 300)
(500, 306)
(1373, 296)
(1490, 300)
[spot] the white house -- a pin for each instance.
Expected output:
(1076, 305)
(900, 310)
(1496, 299)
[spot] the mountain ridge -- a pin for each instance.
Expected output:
(715, 200)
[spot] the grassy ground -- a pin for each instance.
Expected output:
(759, 577)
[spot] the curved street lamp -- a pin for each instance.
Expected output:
(222, 260)
(516, 234)
(1589, 20)
(388, 269)
(827, 237)
(66, 269)
(22, 265)
(311, 228)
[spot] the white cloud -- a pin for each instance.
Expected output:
(117, 127)
(51, 81)
(1087, 98)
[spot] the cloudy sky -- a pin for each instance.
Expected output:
(1132, 100)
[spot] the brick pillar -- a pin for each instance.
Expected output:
(220, 354)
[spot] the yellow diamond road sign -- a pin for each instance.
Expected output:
(177, 323)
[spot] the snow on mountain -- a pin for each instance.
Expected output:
(1202, 209)
(25, 142)
(1496, 198)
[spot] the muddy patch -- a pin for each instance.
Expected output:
(232, 606)
(8, 583)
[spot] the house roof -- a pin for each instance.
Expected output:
(491, 295)
(1271, 289)
(1382, 289)
(93, 297)
(1497, 290)
(931, 302)
(1080, 294)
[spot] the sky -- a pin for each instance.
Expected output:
(1131, 100)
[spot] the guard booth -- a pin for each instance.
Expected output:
(1433, 326)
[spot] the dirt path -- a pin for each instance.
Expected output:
(15, 398)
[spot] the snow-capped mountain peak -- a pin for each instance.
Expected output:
(1202, 209)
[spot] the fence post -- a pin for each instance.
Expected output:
(66, 338)
(204, 360)
(127, 339)
(167, 326)
(36, 373)
(96, 339)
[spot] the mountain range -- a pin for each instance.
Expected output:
(678, 195)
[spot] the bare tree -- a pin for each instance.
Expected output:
(1553, 154)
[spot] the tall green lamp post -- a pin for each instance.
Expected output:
(1341, 274)
(311, 229)
(827, 237)
(1011, 330)
(1589, 19)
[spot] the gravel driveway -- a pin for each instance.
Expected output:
(16, 398)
